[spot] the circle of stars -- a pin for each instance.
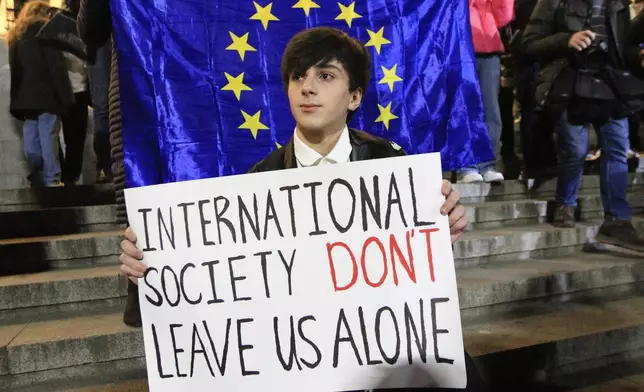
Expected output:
(264, 14)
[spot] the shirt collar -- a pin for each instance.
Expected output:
(306, 156)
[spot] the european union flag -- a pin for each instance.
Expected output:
(201, 93)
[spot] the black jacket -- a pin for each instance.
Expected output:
(39, 79)
(94, 25)
(365, 147)
(553, 23)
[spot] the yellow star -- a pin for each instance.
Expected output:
(385, 115)
(390, 77)
(264, 14)
(240, 44)
(306, 5)
(236, 84)
(278, 145)
(252, 123)
(348, 14)
(377, 39)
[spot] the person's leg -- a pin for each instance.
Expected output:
(99, 80)
(47, 132)
(634, 125)
(75, 131)
(489, 70)
(33, 152)
(613, 138)
(506, 106)
(572, 143)
(617, 228)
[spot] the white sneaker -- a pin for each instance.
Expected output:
(469, 178)
(493, 176)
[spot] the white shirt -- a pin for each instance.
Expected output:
(306, 156)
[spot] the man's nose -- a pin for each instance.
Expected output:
(308, 86)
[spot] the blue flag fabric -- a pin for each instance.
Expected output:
(202, 96)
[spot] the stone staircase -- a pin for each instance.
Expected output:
(538, 302)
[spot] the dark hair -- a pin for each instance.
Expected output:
(321, 45)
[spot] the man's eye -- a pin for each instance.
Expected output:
(326, 76)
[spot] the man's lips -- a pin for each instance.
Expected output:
(309, 107)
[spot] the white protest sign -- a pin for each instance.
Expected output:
(330, 278)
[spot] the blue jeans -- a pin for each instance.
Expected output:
(572, 150)
(40, 148)
(99, 81)
(489, 72)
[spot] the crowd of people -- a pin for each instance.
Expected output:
(569, 66)
(52, 87)
(573, 65)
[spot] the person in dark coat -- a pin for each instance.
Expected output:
(95, 29)
(40, 92)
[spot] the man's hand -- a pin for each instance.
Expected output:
(457, 220)
(581, 40)
(131, 256)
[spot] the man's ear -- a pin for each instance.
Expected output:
(356, 99)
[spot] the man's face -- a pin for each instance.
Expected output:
(320, 99)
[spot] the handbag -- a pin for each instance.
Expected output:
(61, 32)
(593, 100)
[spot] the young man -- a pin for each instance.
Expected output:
(326, 74)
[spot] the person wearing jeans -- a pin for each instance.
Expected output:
(40, 92)
(99, 82)
(486, 17)
(573, 141)
(39, 137)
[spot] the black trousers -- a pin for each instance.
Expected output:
(537, 127)
(74, 131)
(506, 104)
(634, 123)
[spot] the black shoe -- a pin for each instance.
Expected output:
(132, 314)
(622, 234)
(564, 217)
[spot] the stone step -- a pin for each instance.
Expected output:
(514, 189)
(58, 221)
(538, 277)
(542, 336)
(623, 372)
(124, 386)
(490, 214)
(63, 343)
(26, 298)
(61, 221)
(522, 242)
(127, 375)
(482, 246)
(30, 198)
(634, 383)
(36, 253)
